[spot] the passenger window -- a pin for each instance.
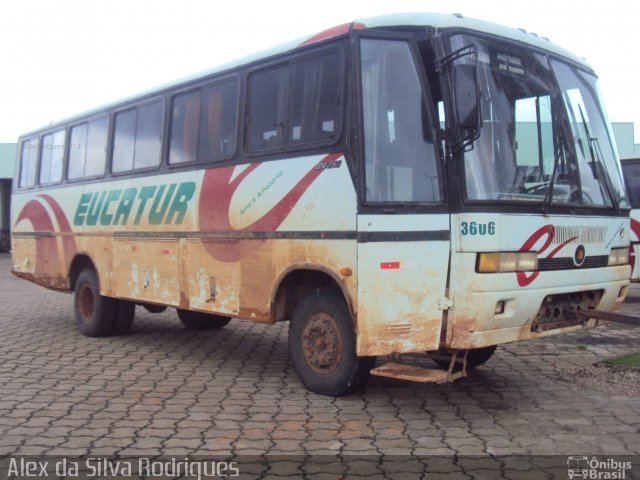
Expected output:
(88, 152)
(315, 99)
(185, 116)
(294, 104)
(138, 138)
(52, 157)
(267, 109)
(218, 121)
(28, 163)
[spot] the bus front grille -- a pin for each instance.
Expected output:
(566, 263)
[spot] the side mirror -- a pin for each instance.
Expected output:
(466, 96)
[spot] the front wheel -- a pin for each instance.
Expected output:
(475, 357)
(322, 342)
(201, 321)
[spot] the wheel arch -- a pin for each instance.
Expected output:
(296, 281)
(80, 262)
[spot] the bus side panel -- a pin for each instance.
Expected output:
(258, 221)
(43, 245)
(146, 270)
(208, 284)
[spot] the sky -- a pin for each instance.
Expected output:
(59, 58)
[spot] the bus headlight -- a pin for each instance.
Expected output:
(507, 262)
(619, 256)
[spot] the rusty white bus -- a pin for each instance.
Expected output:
(631, 170)
(395, 185)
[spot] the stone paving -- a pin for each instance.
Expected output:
(162, 389)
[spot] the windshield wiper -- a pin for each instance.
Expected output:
(596, 160)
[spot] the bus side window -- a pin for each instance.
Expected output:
(138, 138)
(218, 121)
(28, 163)
(185, 118)
(52, 158)
(267, 108)
(88, 149)
(315, 99)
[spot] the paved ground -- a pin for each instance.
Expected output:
(165, 390)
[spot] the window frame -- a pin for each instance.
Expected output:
(368, 206)
(289, 61)
(108, 146)
(200, 87)
(65, 150)
(36, 166)
(630, 164)
(112, 136)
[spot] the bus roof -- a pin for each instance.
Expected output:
(435, 20)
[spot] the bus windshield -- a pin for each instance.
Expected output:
(543, 137)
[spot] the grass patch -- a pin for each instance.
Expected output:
(632, 360)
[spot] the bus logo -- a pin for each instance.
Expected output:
(579, 256)
(578, 467)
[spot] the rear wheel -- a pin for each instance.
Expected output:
(201, 321)
(322, 342)
(94, 313)
(125, 311)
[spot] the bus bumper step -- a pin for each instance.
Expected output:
(414, 373)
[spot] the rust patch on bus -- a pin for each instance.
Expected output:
(52, 283)
(254, 314)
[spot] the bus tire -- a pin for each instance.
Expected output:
(94, 313)
(322, 344)
(201, 321)
(125, 311)
(475, 357)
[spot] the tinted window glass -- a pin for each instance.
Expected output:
(185, 117)
(28, 163)
(148, 136)
(632, 181)
(52, 157)
(315, 99)
(218, 121)
(77, 151)
(267, 105)
(400, 163)
(124, 141)
(96, 148)
(138, 138)
(88, 152)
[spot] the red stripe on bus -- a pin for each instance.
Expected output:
(334, 32)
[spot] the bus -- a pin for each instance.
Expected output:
(410, 184)
(631, 171)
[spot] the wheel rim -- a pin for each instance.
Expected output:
(85, 302)
(322, 343)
